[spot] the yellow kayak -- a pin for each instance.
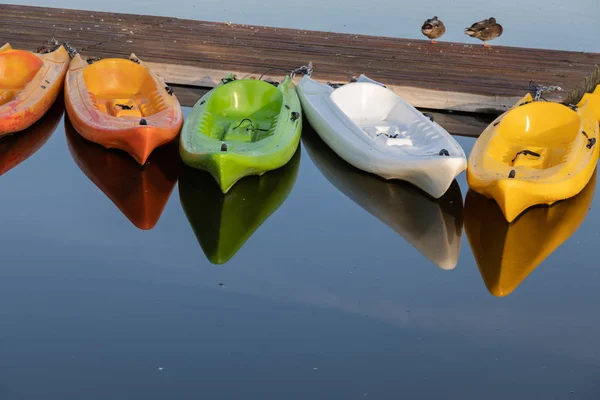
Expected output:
(507, 253)
(536, 153)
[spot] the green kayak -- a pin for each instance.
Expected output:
(242, 127)
(224, 222)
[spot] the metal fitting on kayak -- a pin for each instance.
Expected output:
(223, 146)
(428, 115)
(512, 174)
(444, 152)
(591, 143)
(169, 90)
(295, 115)
(92, 60)
(143, 121)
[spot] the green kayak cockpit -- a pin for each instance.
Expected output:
(241, 128)
(242, 111)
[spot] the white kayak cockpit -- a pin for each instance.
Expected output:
(385, 118)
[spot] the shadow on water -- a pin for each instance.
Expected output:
(507, 253)
(17, 147)
(224, 222)
(433, 227)
(140, 192)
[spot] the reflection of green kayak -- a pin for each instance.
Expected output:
(224, 222)
(242, 127)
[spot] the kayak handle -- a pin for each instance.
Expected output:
(251, 125)
(295, 115)
(227, 80)
(591, 141)
(527, 153)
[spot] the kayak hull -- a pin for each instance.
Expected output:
(242, 128)
(376, 131)
(29, 85)
(535, 153)
(121, 104)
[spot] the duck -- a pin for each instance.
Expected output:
(485, 30)
(433, 28)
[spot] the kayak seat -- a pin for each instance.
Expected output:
(17, 69)
(121, 88)
(536, 136)
(6, 96)
(242, 111)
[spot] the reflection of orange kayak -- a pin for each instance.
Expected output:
(507, 253)
(121, 104)
(29, 84)
(16, 148)
(141, 193)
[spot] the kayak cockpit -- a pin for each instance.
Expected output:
(17, 69)
(122, 88)
(242, 111)
(548, 132)
(386, 119)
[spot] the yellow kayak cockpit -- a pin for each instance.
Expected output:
(528, 138)
(535, 153)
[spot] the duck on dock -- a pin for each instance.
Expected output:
(485, 30)
(433, 28)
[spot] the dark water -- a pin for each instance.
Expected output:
(335, 295)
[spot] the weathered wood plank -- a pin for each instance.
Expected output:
(449, 76)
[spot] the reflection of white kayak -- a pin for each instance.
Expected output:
(432, 226)
(377, 131)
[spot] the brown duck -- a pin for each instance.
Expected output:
(433, 28)
(485, 30)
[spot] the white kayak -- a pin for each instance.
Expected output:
(432, 226)
(376, 131)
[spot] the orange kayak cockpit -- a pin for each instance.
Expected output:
(122, 88)
(29, 84)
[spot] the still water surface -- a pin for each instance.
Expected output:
(346, 290)
(553, 24)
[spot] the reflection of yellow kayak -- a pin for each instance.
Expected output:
(536, 153)
(224, 222)
(507, 253)
(432, 226)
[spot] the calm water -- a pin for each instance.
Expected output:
(338, 294)
(555, 24)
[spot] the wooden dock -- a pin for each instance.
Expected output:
(446, 76)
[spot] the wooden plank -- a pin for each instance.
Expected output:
(446, 76)
(457, 124)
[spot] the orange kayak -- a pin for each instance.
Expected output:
(14, 149)
(140, 193)
(121, 104)
(29, 85)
